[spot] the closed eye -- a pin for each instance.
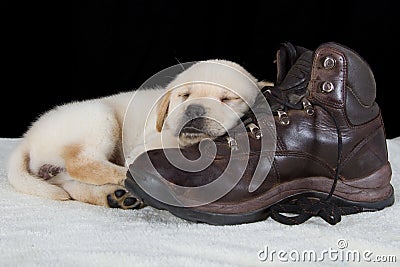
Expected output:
(184, 96)
(229, 99)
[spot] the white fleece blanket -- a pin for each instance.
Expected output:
(42, 232)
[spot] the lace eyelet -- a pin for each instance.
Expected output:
(329, 63)
(307, 106)
(232, 143)
(327, 87)
(283, 117)
(254, 130)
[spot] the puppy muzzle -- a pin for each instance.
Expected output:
(194, 126)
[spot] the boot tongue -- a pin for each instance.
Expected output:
(294, 85)
(293, 74)
(286, 57)
(297, 69)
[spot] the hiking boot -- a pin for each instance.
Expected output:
(330, 156)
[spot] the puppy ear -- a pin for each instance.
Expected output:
(162, 110)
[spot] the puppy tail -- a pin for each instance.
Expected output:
(22, 180)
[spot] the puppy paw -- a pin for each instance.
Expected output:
(124, 200)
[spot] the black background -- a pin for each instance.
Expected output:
(53, 55)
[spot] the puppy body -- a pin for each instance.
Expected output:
(84, 141)
(81, 150)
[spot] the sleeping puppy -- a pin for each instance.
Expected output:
(82, 150)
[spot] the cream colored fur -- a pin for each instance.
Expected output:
(95, 140)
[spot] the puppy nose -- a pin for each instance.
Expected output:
(194, 111)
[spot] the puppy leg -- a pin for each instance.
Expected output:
(107, 195)
(90, 168)
(94, 155)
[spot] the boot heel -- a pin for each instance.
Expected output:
(371, 193)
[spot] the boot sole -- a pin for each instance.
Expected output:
(371, 193)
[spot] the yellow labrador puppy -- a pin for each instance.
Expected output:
(82, 150)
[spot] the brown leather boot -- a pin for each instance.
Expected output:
(330, 159)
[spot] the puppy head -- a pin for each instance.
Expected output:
(206, 100)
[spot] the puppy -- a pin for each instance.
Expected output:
(82, 150)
